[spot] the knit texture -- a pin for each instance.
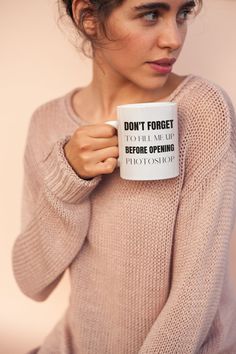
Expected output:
(148, 260)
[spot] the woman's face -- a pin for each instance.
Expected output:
(144, 31)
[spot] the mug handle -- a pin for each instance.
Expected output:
(114, 123)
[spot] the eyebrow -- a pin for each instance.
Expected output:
(161, 5)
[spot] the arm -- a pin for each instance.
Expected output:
(201, 245)
(203, 227)
(55, 221)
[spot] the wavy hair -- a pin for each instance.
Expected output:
(100, 10)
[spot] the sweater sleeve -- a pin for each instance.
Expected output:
(202, 233)
(55, 220)
(190, 321)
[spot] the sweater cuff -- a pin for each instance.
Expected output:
(62, 180)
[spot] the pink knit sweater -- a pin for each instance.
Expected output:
(148, 260)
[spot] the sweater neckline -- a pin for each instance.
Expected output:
(76, 118)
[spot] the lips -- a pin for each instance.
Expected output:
(164, 61)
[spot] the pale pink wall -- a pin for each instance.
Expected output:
(38, 64)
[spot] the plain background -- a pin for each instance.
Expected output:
(38, 63)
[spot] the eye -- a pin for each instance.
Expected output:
(184, 15)
(150, 16)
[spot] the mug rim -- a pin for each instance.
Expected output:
(146, 104)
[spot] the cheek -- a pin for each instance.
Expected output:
(131, 50)
(135, 44)
(128, 38)
(146, 40)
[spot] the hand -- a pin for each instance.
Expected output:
(93, 150)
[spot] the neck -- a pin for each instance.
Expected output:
(108, 90)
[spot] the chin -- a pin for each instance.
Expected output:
(153, 83)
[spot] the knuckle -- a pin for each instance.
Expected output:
(86, 169)
(79, 132)
(85, 158)
(84, 146)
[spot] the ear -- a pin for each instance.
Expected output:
(89, 21)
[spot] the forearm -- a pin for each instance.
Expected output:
(55, 223)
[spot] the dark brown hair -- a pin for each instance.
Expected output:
(100, 10)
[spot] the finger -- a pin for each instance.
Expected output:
(103, 154)
(100, 130)
(107, 166)
(101, 143)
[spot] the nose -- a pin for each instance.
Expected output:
(171, 36)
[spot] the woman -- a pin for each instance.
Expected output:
(147, 259)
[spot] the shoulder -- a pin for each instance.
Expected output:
(52, 111)
(48, 123)
(207, 118)
(207, 108)
(209, 102)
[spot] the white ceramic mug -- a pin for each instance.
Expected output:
(147, 140)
